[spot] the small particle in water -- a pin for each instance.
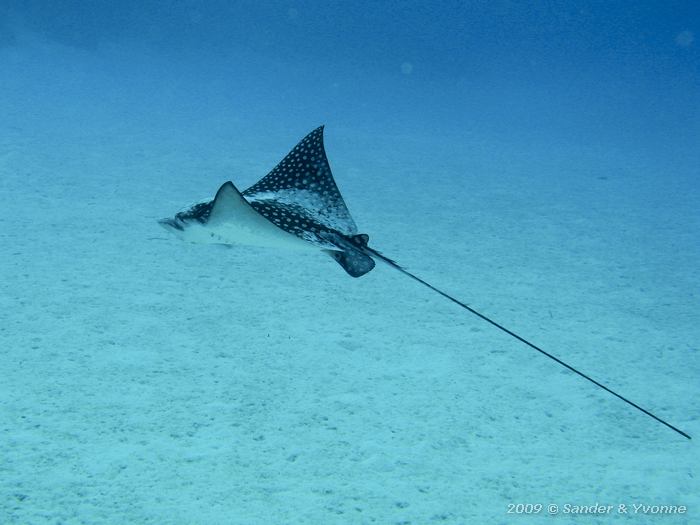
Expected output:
(685, 38)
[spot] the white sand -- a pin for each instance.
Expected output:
(145, 380)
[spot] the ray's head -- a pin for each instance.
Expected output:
(172, 225)
(196, 215)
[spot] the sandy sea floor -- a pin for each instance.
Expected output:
(145, 380)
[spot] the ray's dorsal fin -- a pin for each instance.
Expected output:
(304, 176)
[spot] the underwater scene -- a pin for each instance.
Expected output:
(370, 262)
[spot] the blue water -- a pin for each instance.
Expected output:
(538, 161)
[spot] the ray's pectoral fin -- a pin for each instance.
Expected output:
(235, 221)
(230, 206)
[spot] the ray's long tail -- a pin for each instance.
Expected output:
(378, 256)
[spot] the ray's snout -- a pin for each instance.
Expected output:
(171, 224)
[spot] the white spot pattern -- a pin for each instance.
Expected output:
(302, 187)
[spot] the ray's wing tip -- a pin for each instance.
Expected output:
(224, 186)
(315, 135)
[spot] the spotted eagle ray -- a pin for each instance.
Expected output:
(298, 206)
